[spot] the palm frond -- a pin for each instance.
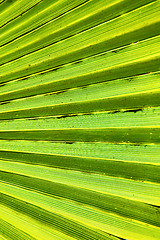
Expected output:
(79, 119)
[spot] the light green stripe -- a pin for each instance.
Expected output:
(133, 153)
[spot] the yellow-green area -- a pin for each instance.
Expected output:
(79, 120)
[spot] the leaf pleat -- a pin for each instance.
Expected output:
(79, 119)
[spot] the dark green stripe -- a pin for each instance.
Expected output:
(138, 135)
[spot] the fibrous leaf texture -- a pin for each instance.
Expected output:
(79, 119)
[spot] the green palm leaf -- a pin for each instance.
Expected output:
(79, 119)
